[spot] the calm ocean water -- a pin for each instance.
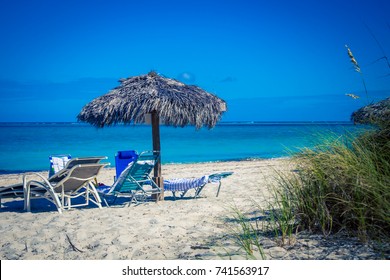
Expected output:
(27, 146)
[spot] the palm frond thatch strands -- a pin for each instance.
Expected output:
(175, 103)
(377, 113)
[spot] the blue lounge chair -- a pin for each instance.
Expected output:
(134, 182)
(183, 185)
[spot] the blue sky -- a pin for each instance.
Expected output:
(270, 60)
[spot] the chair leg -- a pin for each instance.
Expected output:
(183, 194)
(198, 190)
(105, 202)
(133, 198)
(219, 187)
(27, 206)
(68, 203)
(57, 201)
(96, 196)
(26, 194)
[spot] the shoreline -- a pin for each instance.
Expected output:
(181, 229)
(17, 172)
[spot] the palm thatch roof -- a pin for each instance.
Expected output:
(135, 98)
(377, 113)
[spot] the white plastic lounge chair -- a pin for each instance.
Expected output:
(185, 184)
(134, 182)
(17, 190)
(76, 183)
(11, 191)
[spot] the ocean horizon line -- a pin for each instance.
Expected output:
(218, 124)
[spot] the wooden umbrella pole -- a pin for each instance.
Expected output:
(156, 147)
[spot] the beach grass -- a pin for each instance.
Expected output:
(343, 184)
(339, 186)
(247, 235)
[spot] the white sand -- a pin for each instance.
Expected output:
(183, 229)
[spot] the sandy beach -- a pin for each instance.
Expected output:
(173, 229)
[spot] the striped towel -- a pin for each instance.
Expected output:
(184, 184)
(58, 163)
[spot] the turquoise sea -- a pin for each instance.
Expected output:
(27, 146)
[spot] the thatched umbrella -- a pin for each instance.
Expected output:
(163, 100)
(377, 113)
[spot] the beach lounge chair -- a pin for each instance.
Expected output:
(11, 191)
(183, 185)
(73, 162)
(76, 183)
(17, 190)
(134, 182)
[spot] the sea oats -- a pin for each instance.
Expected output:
(352, 95)
(353, 59)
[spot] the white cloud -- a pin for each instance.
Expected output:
(186, 77)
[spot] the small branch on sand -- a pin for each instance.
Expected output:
(73, 246)
(197, 247)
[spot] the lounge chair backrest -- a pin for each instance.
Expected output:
(137, 173)
(70, 164)
(218, 176)
(83, 160)
(78, 176)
